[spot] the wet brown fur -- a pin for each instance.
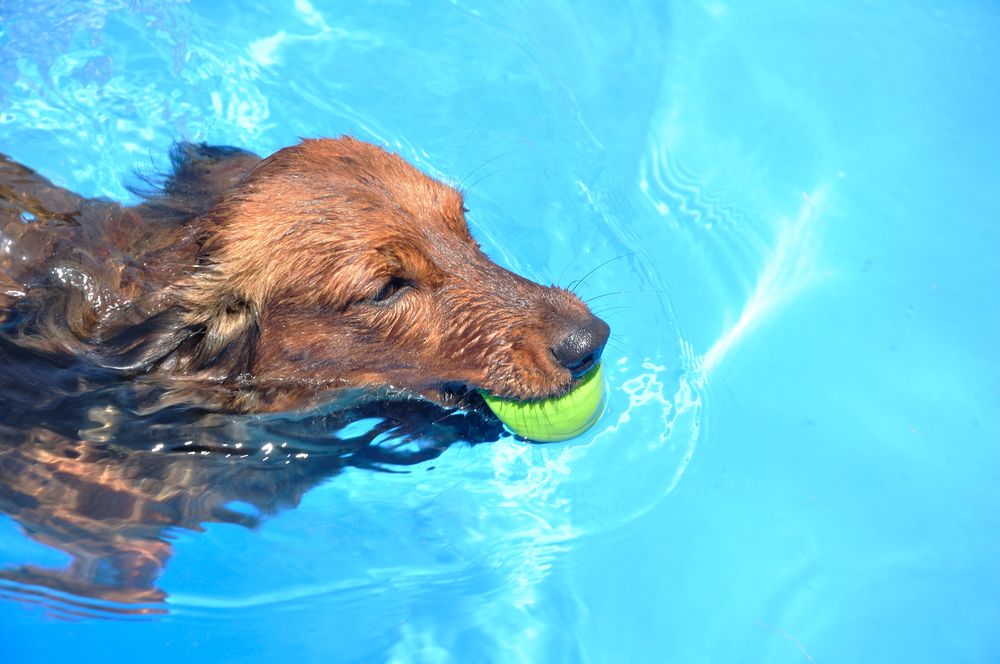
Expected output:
(329, 264)
(241, 284)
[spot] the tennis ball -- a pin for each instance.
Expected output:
(559, 418)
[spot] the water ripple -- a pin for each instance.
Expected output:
(83, 89)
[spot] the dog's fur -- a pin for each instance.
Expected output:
(242, 285)
(329, 264)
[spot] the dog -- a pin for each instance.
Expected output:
(331, 272)
(331, 264)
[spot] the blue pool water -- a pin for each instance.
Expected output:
(795, 210)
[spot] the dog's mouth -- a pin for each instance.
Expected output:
(460, 397)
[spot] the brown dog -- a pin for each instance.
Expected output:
(242, 285)
(329, 264)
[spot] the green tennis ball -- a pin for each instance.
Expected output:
(559, 418)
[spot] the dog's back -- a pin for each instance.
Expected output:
(90, 259)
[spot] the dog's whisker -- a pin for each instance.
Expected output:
(626, 292)
(622, 346)
(480, 179)
(612, 310)
(573, 285)
(468, 138)
(461, 185)
(566, 267)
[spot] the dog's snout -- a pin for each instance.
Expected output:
(580, 347)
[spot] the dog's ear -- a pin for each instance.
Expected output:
(224, 330)
(142, 347)
(211, 336)
(199, 177)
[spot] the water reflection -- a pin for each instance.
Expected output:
(91, 473)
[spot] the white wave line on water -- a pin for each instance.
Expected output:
(789, 269)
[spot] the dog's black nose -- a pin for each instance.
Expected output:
(581, 346)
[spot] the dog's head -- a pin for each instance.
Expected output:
(335, 262)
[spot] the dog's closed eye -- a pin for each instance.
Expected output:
(391, 290)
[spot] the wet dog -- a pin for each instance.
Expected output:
(331, 271)
(329, 264)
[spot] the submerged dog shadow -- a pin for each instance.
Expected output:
(92, 472)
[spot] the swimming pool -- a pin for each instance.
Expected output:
(788, 214)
